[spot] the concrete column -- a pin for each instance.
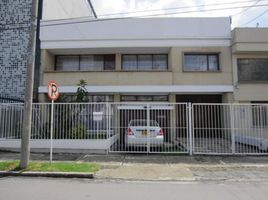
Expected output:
(228, 98)
(116, 115)
(172, 117)
(42, 98)
(118, 62)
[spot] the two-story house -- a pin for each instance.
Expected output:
(139, 59)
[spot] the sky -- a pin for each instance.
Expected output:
(244, 14)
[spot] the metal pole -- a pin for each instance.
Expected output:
(148, 127)
(232, 129)
(190, 128)
(51, 130)
(27, 116)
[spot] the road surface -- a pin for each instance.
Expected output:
(23, 188)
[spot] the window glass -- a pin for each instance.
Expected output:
(87, 63)
(252, 69)
(144, 98)
(109, 62)
(213, 62)
(160, 62)
(128, 98)
(98, 62)
(160, 98)
(102, 98)
(130, 62)
(145, 62)
(67, 63)
(195, 62)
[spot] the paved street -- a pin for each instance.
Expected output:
(79, 189)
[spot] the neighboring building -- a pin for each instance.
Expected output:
(15, 17)
(140, 59)
(59, 9)
(250, 64)
(15, 48)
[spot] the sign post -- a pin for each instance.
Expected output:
(53, 94)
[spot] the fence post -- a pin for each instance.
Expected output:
(108, 126)
(51, 130)
(148, 127)
(189, 106)
(232, 129)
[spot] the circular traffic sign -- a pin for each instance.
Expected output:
(53, 90)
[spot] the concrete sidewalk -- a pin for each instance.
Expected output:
(167, 167)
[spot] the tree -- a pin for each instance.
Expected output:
(82, 93)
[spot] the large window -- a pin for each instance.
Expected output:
(90, 98)
(147, 98)
(252, 69)
(201, 62)
(145, 62)
(85, 63)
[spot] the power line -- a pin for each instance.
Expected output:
(92, 8)
(258, 1)
(151, 15)
(181, 7)
(255, 18)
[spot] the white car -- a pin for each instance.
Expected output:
(138, 134)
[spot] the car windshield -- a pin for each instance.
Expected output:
(142, 123)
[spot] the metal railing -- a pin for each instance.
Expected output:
(230, 128)
(147, 127)
(150, 128)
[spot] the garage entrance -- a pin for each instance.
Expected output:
(148, 128)
(208, 116)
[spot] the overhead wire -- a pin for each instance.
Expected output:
(181, 7)
(246, 9)
(263, 13)
(151, 15)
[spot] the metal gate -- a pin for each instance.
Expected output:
(230, 129)
(149, 128)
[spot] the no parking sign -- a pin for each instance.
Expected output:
(53, 91)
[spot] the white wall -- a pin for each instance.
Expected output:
(134, 32)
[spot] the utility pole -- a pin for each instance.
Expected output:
(27, 115)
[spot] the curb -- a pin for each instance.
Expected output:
(47, 174)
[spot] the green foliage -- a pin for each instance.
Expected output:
(54, 167)
(81, 93)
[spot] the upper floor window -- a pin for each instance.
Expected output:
(85, 63)
(252, 69)
(201, 62)
(144, 62)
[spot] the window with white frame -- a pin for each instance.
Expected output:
(201, 62)
(145, 62)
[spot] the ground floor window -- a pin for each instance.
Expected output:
(90, 98)
(144, 98)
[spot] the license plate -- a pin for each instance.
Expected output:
(144, 132)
